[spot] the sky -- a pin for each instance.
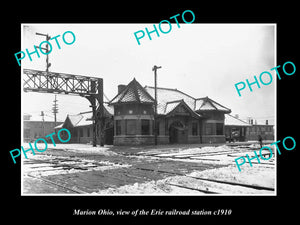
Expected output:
(198, 59)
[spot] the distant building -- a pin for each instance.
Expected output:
(81, 127)
(34, 128)
(239, 130)
(235, 128)
(266, 131)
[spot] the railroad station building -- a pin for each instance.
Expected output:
(181, 118)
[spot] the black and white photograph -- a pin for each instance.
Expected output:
(145, 112)
(165, 109)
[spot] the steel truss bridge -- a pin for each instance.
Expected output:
(62, 83)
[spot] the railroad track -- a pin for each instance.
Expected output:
(198, 156)
(61, 186)
(115, 180)
(256, 187)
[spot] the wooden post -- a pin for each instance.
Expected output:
(100, 113)
(155, 102)
(93, 105)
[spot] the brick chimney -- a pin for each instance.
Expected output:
(267, 122)
(121, 87)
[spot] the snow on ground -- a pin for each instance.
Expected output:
(256, 175)
(223, 154)
(174, 185)
(158, 187)
(80, 148)
(192, 151)
(53, 165)
(259, 174)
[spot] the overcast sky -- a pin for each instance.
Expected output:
(198, 59)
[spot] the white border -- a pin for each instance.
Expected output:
(201, 195)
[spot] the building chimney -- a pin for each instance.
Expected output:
(121, 87)
(267, 122)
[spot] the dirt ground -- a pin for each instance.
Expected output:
(168, 169)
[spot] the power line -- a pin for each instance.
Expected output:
(55, 109)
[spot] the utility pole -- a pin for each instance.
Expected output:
(47, 50)
(101, 111)
(55, 110)
(155, 102)
(43, 124)
(98, 113)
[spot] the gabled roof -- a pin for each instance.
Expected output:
(133, 93)
(108, 110)
(179, 106)
(79, 120)
(207, 104)
(166, 96)
(85, 118)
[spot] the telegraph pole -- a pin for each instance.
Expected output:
(43, 124)
(55, 110)
(155, 102)
(47, 50)
(98, 113)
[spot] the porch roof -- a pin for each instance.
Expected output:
(233, 121)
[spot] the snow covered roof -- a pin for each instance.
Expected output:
(108, 110)
(133, 92)
(233, 121)
(207, 104)
(85, 118)
(170, 106)
(167, 95)
(80, 119)
(179, 106)
(166, 98)
(59, 126)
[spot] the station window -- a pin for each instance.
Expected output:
(130, 127)
(195, 129)
(209, 128)
(145, 127)
(219, 128)
(118, 127)
(157, 128)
